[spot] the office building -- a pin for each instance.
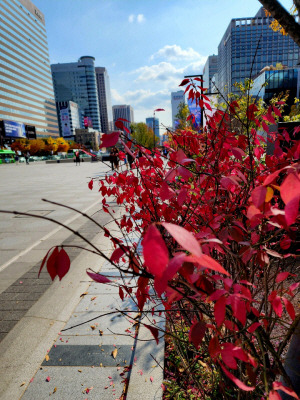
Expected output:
(176, 98)
(273, 82)
(249, 43)
(209, 71)
(26, 88)
(104, 99)
(76, 82)
(70, 117)
(153, 123)
(88, 137)
(123, 111)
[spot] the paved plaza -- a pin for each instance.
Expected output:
(42, 350)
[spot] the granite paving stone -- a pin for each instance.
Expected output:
(68, 383)
(88, 355)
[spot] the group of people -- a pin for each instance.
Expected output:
(115, 159)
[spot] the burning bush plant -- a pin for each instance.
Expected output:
(218, 224)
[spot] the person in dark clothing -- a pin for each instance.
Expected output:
(130, 160)
(77, 158)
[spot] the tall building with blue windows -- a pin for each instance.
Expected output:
(76, 82)
(26, 88)
(248, 45)
(210, 70)
(153, 123)
(104, 98)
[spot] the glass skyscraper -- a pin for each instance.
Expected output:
(77, 82)
(210, 69)
(250, 41)
(26, 89)
(104, 99)
(153, 123)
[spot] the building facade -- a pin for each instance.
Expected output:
(88, 137)
(176, 98)
(26, 88)
(123, 111)
(70, 117)
(77, 82)
(104, 99)
(271, 83)
(153, 123)
(248, 45)
(210, 70)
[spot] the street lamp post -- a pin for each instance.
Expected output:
(158, 109)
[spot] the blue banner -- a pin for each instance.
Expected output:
(196, 111)
(14, 129)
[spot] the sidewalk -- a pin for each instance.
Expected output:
(43, 354)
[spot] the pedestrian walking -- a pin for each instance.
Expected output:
(130, 160)
(115, 158)
(16, 159)
(27, 158)
(77, 158)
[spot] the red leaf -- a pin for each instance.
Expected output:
(228, 358)
(282, 276)
(280, 386)
(207, 262)
(239, 308)
(154, 332)
(51, 263)
(274, 395)
(43, 262)
(253, 327)
(197, 333)
(265, 127)
(238, 153)
(116, 255)
(97, 277)
(182, 196)
(90, 185)
(155, 251)
(290, 188)
(109, 140)
(121, 293)
(219, 310)
(185, 238)
(271, 177)
(289, 308)
(166, 193)
(62, 264)
(259, 195)
(277, 306)
(238, 383)
(292, 210)
(184, 82)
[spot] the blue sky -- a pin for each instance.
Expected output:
(147, 46)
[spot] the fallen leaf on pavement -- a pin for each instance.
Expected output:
(48, 379)
(47, 357)
(114, 353)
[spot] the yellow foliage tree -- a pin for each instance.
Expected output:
(36, 146)
(62, 145)
(51, 145)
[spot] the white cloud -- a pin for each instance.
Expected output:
(159, 72)
(175, 52)
(116, 97)
(140, 18)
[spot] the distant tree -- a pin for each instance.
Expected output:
(51, 145)
(286, 22)
(19, 145)
(181, 116)
(62, 145)
(143, 135)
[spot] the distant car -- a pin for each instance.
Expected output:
(105, 156)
